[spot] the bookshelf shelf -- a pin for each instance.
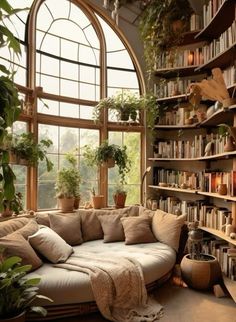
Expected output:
(214, 28)
(231, 286)
(174, 98)
(173, 189)
(219, 234)
(223, 59)
(177, 71)
(225, 155)
(216, 195)
(170, 127)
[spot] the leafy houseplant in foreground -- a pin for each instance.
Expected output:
(16, 291)
(10, 106)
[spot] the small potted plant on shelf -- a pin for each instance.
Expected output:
(68, 184)
(97, 200)
(17, 292)
(24, 147)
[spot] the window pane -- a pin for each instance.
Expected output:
(48, 107)
(122, 79)
(69, 110)
(69, 88)
(119, 59)
(86, 112)
(69, 49)
(69, 70)
(50, 84)
(87, 92)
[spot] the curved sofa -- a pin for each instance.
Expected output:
(71, 290)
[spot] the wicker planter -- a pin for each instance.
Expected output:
(200, 274)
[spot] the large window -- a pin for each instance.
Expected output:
(75, 60)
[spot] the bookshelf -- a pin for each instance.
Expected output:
(219, 25)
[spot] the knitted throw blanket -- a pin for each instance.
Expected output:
(118, 287)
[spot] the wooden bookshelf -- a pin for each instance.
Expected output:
(231, 286)
(177, 71)
(219, 234)
(173, 189)
(216, 195)
(214, 28)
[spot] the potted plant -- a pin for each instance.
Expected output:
(228, 132)
(198, 270)
(68, 183)
(97, 200)
(125, 105)
(12, 206)
(17, 292)
(24, 147)
(10, 106)
(161, 25)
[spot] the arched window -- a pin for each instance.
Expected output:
(75, 58)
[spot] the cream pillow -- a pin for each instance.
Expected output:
(167, 228)
(48, 243)
(137, 230)
(15, 245)
(68, 227)
(112, 228)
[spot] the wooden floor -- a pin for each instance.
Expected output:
(182, 305)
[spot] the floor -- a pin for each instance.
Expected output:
(182, 304)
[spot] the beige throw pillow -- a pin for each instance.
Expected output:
(112, 228)
(48, 243)
(167, 228)
(68, 227)
(15, 245)
(137, 230)
(90, 224)
(11, 225)
(29, 229)
(42, 219)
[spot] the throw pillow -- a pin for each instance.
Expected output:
(42, 219)
(48, 243)
(90, 225)
(112, 228)
(15, 245)
(137, 230)
(167, 228)
(29, 229)
(9, 226)
(68, 227)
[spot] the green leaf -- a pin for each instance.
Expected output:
(10, 262)
(5, 6)
(32, 281)
(39, 309)
(4, 70)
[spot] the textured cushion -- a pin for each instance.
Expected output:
(11, 225)
(48, 243)
(15, 245)
(138, 230)
(42, 219)
(90, 224)
(167, 228)
(29, 229)
(68, 227)
(112, 228)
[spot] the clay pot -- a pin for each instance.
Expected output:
(110, 163)
(200, 274)
(76, 202)
(7, 212)
(222, 189)
(229, 145)
(119, 199)
(98, 201)
(67, 204)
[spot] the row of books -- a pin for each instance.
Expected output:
(171, 88)
(225, 254)
(204, 181)
(210, 9)
(195, 148)
(217, 46)
(229, 75)
(177, 116)
(196, 22)
(213, 217)
(181, 58)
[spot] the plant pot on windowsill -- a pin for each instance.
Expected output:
(98, 201)
(76, 202)
(66, 203)
(14, 159)
(119, 199)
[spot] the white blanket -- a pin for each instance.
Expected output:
(118, 287)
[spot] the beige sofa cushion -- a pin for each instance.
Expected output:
(90, 224)
(42, 219)
(11, 225)
(29, 229)
(15, 245)
(138, 230)
(48, 243)
(112, 228)
(68, 227)
(167, 228)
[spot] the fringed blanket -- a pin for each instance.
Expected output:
(118, 287)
